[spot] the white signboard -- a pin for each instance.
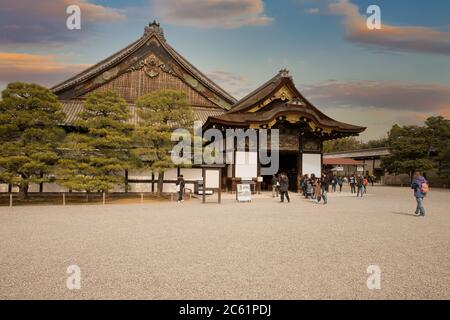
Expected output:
(338, 168)
(212, 179)
(244, 193)
(360, 168)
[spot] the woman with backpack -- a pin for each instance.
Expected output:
(420, 187)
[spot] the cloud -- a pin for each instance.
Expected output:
(395, 38)
(387, 96)
(236, 85)
(312, 11)
(377, 121)
(43, 69)
(227, 14)
(44, 21)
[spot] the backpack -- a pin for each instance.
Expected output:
(424, 188)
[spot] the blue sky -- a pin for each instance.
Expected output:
(400, 74)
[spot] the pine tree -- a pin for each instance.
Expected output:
(160, 113)
(97, 155)
(409, 146)
(30, 134)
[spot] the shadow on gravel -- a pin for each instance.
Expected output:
(405, 214)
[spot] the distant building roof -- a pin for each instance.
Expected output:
(361, 153)
(341, 161)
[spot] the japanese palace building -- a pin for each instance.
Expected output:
(150, 64)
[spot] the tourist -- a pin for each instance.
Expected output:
(420, 187)
(309, 188)
(303, 183)
(352, 182)
(313, 184)
(360, 185)
(324, 184)
(275, 186)
(340, 182)
(284, 187)
(365, 183)
(333, 183)
(180, 188)
(318, 190)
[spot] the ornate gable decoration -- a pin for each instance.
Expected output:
(152, 67)
(284, 94)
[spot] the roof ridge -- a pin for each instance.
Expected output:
(152, 30)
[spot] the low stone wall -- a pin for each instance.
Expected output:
(404, 180)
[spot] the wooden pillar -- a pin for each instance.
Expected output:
(126, 180)
(373, 166)
(153, 182)
(41, 184)
(219, 195)
(204, 184)
(299, 163)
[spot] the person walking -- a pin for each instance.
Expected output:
(324, 185)
(284, 187)
(340, 182)
(303, 184)
(365, 184)
(313, 184)
(318, 190)
(352, 182)
(333, 183)
(309, 189)
(360, 185)
(275, 186)
(180, 188)
(420, 187)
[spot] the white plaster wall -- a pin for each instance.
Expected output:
(246, 164)
(191, 173)
(311, 163)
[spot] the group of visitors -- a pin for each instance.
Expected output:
(315, 187)
(280, 186)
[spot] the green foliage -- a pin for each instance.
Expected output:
(160, 113)
(418, 148)
(96, 156)
(444, 161)
(351, 143)
(30, 134)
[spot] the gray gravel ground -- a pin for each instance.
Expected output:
(258, 250)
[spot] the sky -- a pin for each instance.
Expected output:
(374, 78)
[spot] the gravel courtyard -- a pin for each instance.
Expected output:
(258, 250)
